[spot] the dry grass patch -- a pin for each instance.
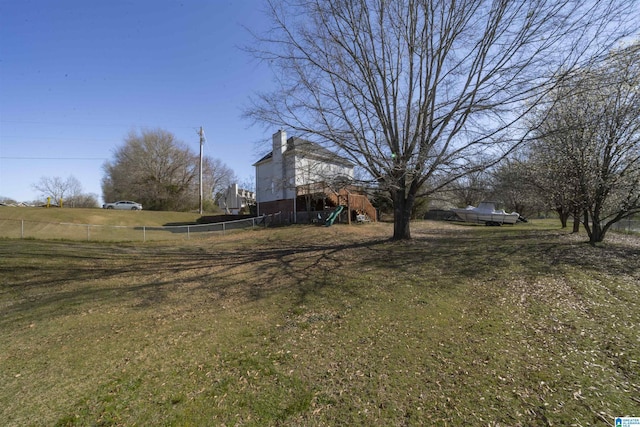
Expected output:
(322, 326)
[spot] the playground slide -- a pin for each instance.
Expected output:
(333, 215)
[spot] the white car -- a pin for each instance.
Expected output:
(123, 204)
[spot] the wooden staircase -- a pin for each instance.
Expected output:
(352, 198)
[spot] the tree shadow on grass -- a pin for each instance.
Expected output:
(47, 279)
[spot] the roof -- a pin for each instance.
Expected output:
(304, 147)
(268, 156)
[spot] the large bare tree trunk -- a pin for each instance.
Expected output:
(402, 206)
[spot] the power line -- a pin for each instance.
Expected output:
(81, 123)
(52, 158)
(78, 139)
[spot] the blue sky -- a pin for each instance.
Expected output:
(76, 76)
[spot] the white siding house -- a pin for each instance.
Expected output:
(294, 163)
(235, 200)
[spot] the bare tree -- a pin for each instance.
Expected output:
(470, 189)
(217, 176)
(152, 168)
(594, 136)
(512, 188)
(58, 188)
(422, 92)
(7, 200)
(161, 172)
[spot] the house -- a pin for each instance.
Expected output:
(234, 200)
(299, 177)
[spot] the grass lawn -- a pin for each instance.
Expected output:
(463, 325)
(97, 216)
(93, 224)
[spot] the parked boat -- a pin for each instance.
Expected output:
(486, 212)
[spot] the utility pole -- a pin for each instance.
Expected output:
(201, 133)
